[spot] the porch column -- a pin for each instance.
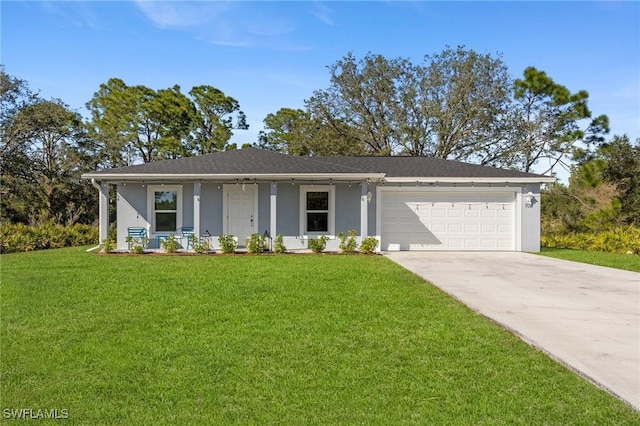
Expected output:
(196, 208)
(103, 214)
(273, 209)
(364, 208)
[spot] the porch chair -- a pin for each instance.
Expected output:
(185, 234)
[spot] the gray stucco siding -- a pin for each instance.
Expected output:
(187, 204)
(132, 206)
(211, 208)
(131, 210)
(264, 207)
(288, 210)
(530, 228)
(371, 212)
(347, 208)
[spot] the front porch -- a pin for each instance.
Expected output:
(295, 208)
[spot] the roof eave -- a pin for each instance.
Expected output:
(218, 177)
(443, 179)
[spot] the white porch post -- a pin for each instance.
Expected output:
(103, 213)
(273, 209)
(364, 207)
(196, 208)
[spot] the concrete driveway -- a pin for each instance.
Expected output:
(587, 317)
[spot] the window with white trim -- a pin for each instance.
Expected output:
(317, 210)
(165, 208)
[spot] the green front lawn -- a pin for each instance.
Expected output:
(292, 339)
(627, 262)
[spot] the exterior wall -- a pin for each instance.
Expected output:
(288, 216)
(131, 210)
(211, 208)
(187, 204)
(347, 208)
(264, 207)
(372, 211)
(531, 219)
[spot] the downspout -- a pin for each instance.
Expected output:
(95, 185)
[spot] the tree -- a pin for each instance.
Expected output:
(136, 122)
(548, 121)
(14, 95)
(452, 106)
(112, 110)
(361, 104)
(42, 179)
(465, 97)
(623, 171)
(285, 131)
(215, 121)
(295, 132)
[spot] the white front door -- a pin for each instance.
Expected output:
(241, 212)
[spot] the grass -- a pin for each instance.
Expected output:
(292, 339)
(627, 262)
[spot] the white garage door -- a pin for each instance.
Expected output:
(447, 221)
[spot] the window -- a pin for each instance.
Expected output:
(165, 208)
(317, 210)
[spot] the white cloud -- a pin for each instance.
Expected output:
(77, 14)
(234, 24)
(181, 15)
(322, 13)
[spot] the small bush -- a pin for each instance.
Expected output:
(369, 245)
(228, 243)
(317, 245)
(278, 245)
(255, 243)
(107, 245)
(170, 244)
(137, 244)
(199, 247)
(348, 244)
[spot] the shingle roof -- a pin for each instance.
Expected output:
(254, 161)
(424, 167)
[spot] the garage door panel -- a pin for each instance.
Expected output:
(448, 221)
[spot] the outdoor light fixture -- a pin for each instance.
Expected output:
(529, 199)
(267, 236)
(369, 197)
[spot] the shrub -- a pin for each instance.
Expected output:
(317, 245)
(137, 244)
(617, 240)
(369, 245)
(227, 243)
(19, 237)
(255, 243)
(278, 245)
(107, 245)
(199, 247)
(348, 245)
(170, 244)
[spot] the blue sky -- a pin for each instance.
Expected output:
(270, 55)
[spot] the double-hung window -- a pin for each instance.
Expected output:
(164, 205)
(317, 210)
